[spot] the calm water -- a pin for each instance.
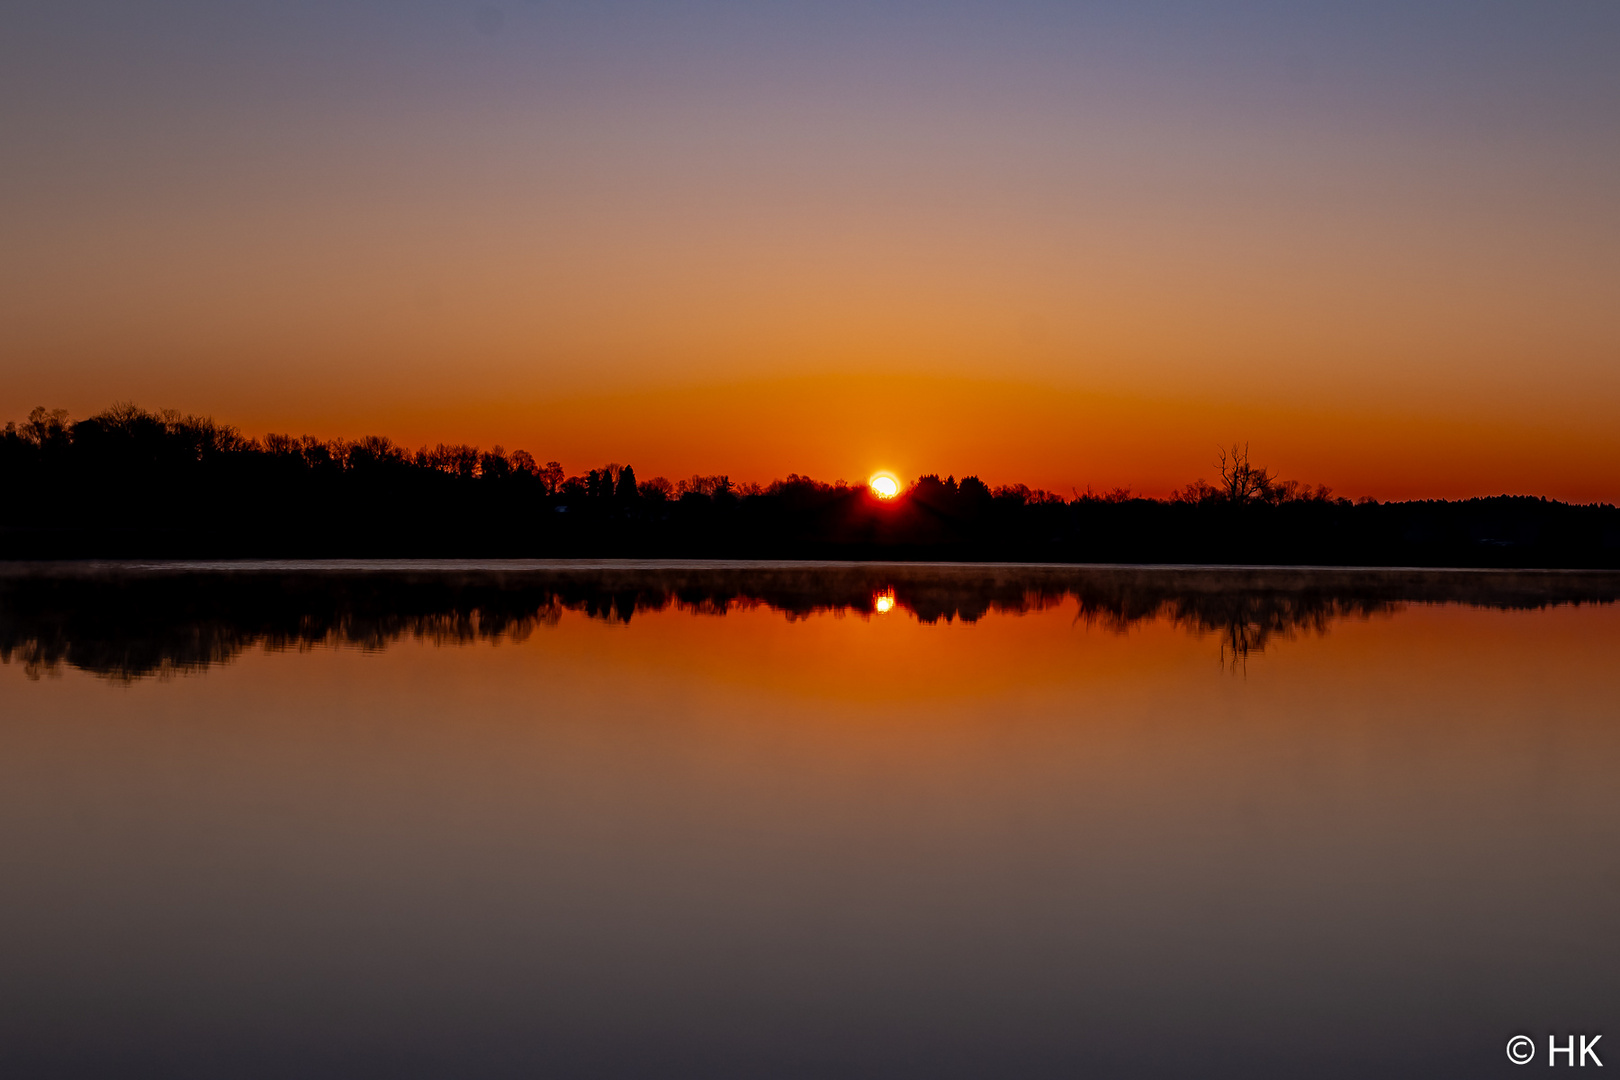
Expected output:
(795, 821)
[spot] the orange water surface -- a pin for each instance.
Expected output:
(829, 845)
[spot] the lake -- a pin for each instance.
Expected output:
(800, 820)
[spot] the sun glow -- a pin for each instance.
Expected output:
(884, 603)
(884, 486)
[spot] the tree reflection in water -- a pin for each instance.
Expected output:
(133, 621)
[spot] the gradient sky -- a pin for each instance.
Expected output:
(1068, 244)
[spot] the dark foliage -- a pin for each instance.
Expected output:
(127, 623)
(130, 483)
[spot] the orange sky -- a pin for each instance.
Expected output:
(852, 425)
(1037, 244)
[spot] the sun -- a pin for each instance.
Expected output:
(884, 486)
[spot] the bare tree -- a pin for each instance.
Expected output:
(1242, 481)
(551, 477)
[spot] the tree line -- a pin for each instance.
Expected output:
(130, 482)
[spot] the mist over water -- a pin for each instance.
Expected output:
(718, 820)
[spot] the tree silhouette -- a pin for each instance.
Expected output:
(126, 481)
(1242, 482)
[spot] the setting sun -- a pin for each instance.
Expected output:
(884, 486)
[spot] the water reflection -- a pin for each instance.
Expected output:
(664, 821)
(127, 621)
